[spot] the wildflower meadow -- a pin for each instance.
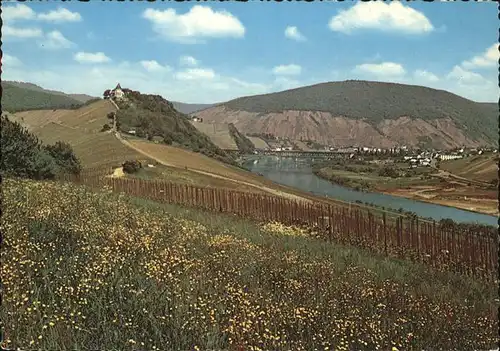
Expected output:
(86, 269)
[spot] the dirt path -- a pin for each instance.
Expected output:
(261, 187)
(445, 174)
(484, 206)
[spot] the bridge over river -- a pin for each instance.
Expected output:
(298, 153)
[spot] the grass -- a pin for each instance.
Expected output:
(81, 129)
(92, 149)
(482, 167)
(88, 119)
(16, 98)
(183, 158)
(259, 143)
(183, 176)
(365, 176)
(218, 134)
(86, 270)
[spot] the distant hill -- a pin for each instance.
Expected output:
(190, 108)
(153, 117)
(20, 96)
(83, 97)
(16, 99)
(80, 97)
(363, 113)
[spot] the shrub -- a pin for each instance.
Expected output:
(105, 127)
(388, 172)
(167, 139)
(23, 155)
(64, 157)
(132, 166)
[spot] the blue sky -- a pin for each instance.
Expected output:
(211, 52)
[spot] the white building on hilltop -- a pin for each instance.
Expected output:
(117, 92)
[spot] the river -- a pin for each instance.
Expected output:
(297, 173)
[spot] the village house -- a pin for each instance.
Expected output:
(449, 157)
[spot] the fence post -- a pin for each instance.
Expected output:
(435, 252)
(385, 233)
(398, 233)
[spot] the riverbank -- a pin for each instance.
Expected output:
(424, 186)
(483, 206)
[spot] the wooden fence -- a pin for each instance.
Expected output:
(473, 251)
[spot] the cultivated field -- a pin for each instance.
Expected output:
(89, 118)
(86, 270)
(426, 185)
(183, 176)
(218, 133)
(482, 167)
(81, 129)
(259, 143)
(92, 149)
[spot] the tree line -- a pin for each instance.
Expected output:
(25, 156)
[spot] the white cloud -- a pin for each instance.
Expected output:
(60, 15)
(489, 58)
(293, 32)
(10, 32)
(199, 22)
(11, 61)
(188, 61)
(384, 69)
(24, 12)
(425, 76)
(55, 40)
(465, 77)
(287, 70)
(88, 57)
(393, 16)
(196, 74)
(93, 80)
(18, 12)
(154, 66)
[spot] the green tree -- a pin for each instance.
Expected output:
(22, 153)
(132, 166)
(64, 157)
(105, 127)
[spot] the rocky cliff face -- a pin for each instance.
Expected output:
(329, 129)
(364, 113)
